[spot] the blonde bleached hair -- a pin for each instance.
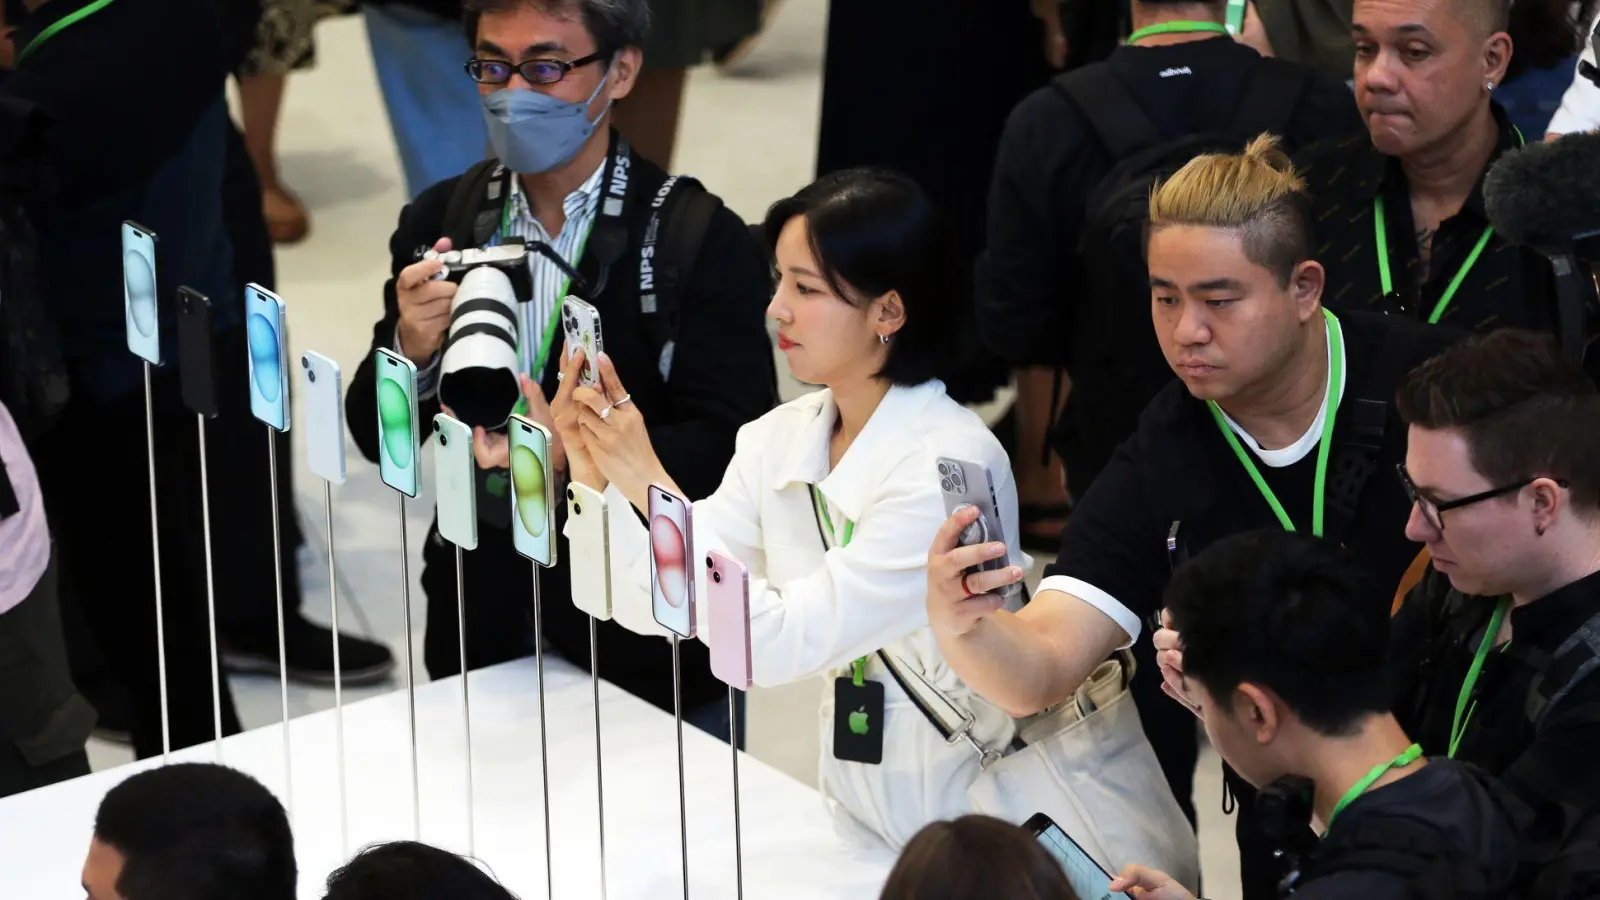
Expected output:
(1256, 193)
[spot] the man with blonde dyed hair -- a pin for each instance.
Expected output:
(1281, 418)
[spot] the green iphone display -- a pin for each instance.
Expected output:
(532, 484)
(399, 441)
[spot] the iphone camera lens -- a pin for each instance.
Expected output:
(577, 509)
(311, 376)
(717, 577)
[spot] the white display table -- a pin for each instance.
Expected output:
(790, 849)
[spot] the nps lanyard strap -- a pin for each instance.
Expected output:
(1330, 410)
(1380, 227)
(67, 21)
(613, 204)
(1465, 704)
(1412, 754)
(858, 668)
(1176, 28)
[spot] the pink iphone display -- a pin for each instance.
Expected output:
(728, 593)
(671, 549)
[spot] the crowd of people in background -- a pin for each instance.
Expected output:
(1299, 432)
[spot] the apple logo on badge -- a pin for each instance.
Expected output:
(139, 280)
(860, 724)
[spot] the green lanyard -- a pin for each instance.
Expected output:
(1412, 754)
(858, 668)
(1330, 410)
(1176, 28)
(551, 326)
(67, 21)
(1380, 228)
(1465, 705)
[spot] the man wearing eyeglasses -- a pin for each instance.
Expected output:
(684, 328)
(1496, 650)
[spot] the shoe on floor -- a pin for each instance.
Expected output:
(309, 650)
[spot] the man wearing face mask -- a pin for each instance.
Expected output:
(680, 284)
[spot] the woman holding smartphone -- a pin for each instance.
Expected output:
(831, 500)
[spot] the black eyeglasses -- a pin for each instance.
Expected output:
(534, 71)
(1433, 510)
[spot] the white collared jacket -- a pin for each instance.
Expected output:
(814, 610)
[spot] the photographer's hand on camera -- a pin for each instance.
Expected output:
(424, 307)
(615, 436)
(493, 449)
(957, 602)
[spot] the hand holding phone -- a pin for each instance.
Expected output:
(1088, 880)
(266, 332)
(581, 324)
(324, 406)
(139, 289)
(455, 481)
(532, 491)
(197, 365)
(728, 593)
(399, 443)
(672, 581)
(966, 483)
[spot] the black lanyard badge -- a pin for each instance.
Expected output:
(858, 721)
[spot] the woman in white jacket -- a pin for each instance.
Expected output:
(832, 500)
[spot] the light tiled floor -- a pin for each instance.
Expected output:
(750, 135)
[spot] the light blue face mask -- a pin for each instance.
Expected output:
(533, 132)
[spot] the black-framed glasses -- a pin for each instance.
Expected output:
(1433, 510)
(533, 71)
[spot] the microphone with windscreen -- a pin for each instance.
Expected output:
(1547, 197)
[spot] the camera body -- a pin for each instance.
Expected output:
(510, 257)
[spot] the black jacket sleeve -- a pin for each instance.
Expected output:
(1046, 165)
(723, 374)
(419, 226)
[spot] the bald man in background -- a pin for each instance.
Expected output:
(1425, 76)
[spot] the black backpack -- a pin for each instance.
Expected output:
(681, 213)
(1113, 342)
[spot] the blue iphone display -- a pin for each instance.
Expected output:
(139, 292)
(265, 331)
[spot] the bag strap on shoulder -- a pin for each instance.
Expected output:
(472, 215)
(680, 216)
(1113, 112)
(1355, 458)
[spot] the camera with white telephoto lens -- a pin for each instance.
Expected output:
(478, 369)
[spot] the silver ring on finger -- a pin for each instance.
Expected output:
(626, 398)
(560, 377)
(606, 413)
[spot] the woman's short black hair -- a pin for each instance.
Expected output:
(415, 871)
(873, 231)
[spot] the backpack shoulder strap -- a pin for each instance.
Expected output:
(1355, 457)
(472, 215)
(1575, 660)
(1271, 94)
(680, 216)
(1114, 114)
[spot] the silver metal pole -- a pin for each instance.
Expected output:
(411, 673)
(211, 588)
(338, 677)
(466, 701)
(544, 746)
(155, 545)
(283, 650)
(599, 766)
(683, 797)
(738, 826)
